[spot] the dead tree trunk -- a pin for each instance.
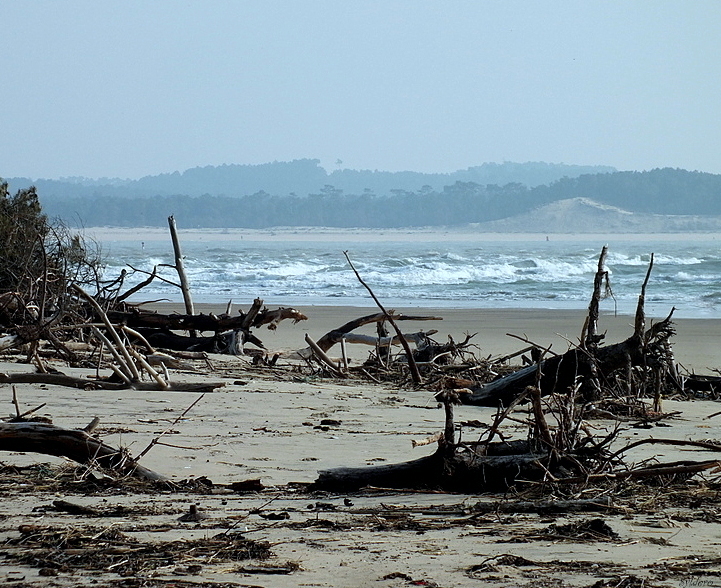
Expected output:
(76, 445)
(57, 379)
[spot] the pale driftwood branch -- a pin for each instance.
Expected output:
(126, 329)
(148, 368)
(111, 330)
(10, 341)
(180, 267)
(76, 445)
(323, 358)
(122, 369)
(415, 338)
(427, 441)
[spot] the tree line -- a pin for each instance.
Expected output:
(660, 191)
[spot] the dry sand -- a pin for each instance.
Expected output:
(261, 425)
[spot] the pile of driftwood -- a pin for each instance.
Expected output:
(562, 391)
(52, 294)
(49, 303)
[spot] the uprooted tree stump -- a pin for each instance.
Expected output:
(590, 364)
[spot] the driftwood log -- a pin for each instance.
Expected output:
(204, 322)
(446, 469)
(230, 333)
(76, 445)
(58, 379)
(335, 336)
(560, 373)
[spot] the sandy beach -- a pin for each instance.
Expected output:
(696, 343)
(265, 424)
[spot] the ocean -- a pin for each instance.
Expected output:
(426, 269)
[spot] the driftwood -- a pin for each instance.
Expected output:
(452, 471)
(76, 445)
(555, 452)
(335, 336)
(589, 363)
(601, 503)
(230, 333)
(473, 467)
(99, 384)
(415, 374)
(415, 338)
(229, 342)
(204, 322)
(180, 267)
(321, 356)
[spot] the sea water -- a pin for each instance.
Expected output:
(431, 271)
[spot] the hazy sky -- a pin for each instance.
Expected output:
(131, 88)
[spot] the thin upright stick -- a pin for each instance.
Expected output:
(180, 268)
(415, 374)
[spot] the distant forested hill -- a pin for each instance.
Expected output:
(660, 191)
(300, 177)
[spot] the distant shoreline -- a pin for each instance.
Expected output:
(334, 235)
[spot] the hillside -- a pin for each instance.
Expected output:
(300, 177)
(661, 200)
(583, 215)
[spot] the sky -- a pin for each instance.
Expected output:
(134, 88)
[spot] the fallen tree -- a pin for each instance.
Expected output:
(138, 319)
(59, 379)
(75, 444)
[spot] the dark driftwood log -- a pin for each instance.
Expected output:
(559, 373)
(204, 322)
(85, 384)
(452, 471)
(591, 364)
(73, 444)
(699, 383)
(220, 343)
(545, 506)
